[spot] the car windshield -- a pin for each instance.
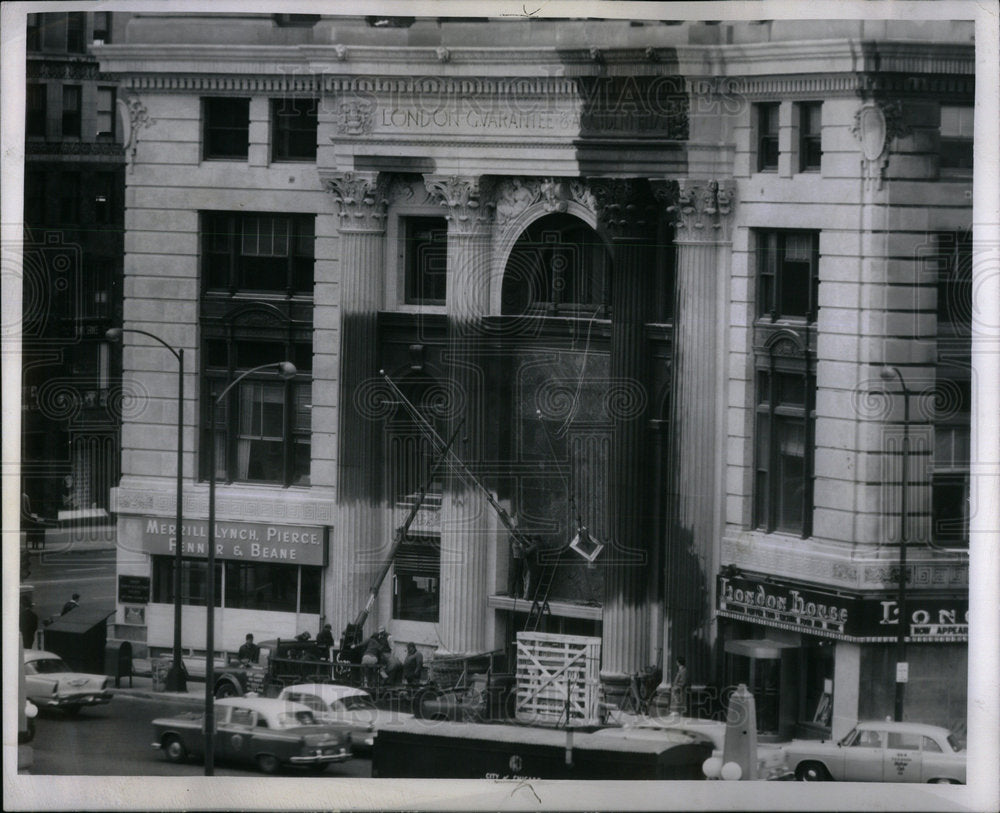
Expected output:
(49, 666)
(291, 719)
(358, 702)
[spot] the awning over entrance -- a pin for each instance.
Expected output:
(760, 648)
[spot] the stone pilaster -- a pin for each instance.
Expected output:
(627, 213)
(702, 212)
(358, 542)
(465, 512)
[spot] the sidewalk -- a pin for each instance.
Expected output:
(142, 686)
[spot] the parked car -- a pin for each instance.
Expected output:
(261, 730)
(882, 751)
(50, 683)
(345, 705)
(771, 759)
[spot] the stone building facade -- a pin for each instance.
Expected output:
(701, 289)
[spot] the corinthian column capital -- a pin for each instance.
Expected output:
(361, 197)
(625, 207)
(702, 210)
(468, 200)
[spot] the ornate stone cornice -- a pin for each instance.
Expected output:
(876, 125)
(625, 207)
(278, 82)
(467, 199)
(77, 69)
(362, 198)
(702, 210)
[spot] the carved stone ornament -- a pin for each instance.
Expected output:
(355, 117)
(701, 209)
(134, 117)
(625, 206)
(465, 198)
(876, 126)
(514, 195)
(361, 197)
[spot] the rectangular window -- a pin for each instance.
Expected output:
(953, 254)
(767, 136)
(34, 197)
(33, 33)
(784, 442)
(106, 112)
(102, 27)
(787, 274)
(416, 580)
(810, 128)
(426, 253)
(293, 129)
(76, 22)
(262, 429)
(952, 460)
(97, 289)
(956, 137)
(193, 581)
(71, 110)
(258, 252)
(227, 127)
(36, 103)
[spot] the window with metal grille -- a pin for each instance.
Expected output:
(810, 136)
(226, 127)
(767, 135)
(787, 274)
(293, 129)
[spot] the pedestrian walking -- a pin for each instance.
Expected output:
(28, 622)
(72, 604)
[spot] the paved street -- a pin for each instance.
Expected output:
(114, 740)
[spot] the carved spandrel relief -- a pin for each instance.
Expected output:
(134, 117)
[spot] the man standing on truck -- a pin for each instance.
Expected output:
(377, 650)
(249, 652)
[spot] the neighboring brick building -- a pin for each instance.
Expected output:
(658, 269)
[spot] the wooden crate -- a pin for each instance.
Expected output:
(552, 669)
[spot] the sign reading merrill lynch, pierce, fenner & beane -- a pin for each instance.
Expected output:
(249, 541)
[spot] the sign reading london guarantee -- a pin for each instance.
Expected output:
(249, 541)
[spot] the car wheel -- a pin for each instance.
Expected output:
(225, 689)
(268, 763)
(175, 750)
(72, 711)
(812, 772)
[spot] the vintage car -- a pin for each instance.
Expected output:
(262, 730)
(882, 751)
(51, 684)
(771, 760)
(355, 708)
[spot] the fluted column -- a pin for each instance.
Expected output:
(465, 513)
(626, 211)
(357, 543)
(702, 211)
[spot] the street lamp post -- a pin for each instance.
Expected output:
(287, 370)
(177, 676)
(901, 664)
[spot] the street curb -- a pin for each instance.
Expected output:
(146, 694)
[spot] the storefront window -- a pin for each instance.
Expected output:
(244, 585)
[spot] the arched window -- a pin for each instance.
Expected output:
(558, 265)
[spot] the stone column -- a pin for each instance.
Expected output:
(697, 421)
(465, 512)
(357, 543)
(627, 213)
